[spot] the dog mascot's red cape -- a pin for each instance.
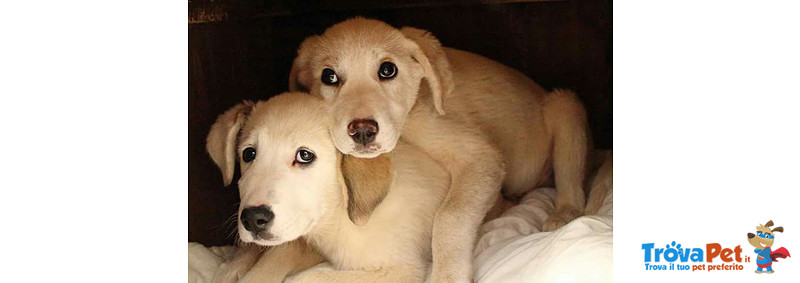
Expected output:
(779, 253)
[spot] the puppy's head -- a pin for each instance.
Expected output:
(370, 76)
(288, 164)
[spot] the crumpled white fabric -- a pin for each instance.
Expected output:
(512, 248)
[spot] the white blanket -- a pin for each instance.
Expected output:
(511, 248)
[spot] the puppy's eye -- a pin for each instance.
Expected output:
(304, 156)
(249, 154)
(329, 77)
(387, 70)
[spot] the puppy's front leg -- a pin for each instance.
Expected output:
(327, 273)
(281, 261)
(476, 170)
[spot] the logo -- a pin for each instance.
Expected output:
(763, 240)
(674, 257)
(716, 257)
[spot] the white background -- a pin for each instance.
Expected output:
(93, 113)
(706, 131)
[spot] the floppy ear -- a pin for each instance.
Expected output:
(368, 181)
(769, 223)
(778, 229)
(300, 76)
(221, 140)
(428, 52)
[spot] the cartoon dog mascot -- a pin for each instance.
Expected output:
(763, 244)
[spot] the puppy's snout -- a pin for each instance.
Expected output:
(255, 219)
(363, 131)
(750, 235)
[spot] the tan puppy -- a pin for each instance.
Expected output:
(371, 76)
(292, 187)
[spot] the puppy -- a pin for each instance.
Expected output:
(501, 128)
(293, 192)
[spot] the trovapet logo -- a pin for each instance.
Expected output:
(716, 257)
(674, 257)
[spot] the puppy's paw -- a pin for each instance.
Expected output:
(229, 272)
(561, 218)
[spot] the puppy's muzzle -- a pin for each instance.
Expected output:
(363, 131)
(256, 218)
(750, 235)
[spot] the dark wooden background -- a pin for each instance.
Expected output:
(244, 50)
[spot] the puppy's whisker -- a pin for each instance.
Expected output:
(224, 225)
(232, 226)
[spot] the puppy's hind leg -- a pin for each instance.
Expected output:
(600, 182)
(565, 118)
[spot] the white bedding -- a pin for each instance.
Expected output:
(511, 248)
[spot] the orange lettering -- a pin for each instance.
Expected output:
(712, 250)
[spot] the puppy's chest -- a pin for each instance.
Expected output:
(397, 233)
(387, 245)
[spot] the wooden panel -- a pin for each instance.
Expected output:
(247, 54)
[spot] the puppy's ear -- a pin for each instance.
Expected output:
(221, 140)
(769, 224)
(778, 229)
(368, 181)
(301, 76)
(429, 54)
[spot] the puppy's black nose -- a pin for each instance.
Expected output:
(750, 235)
(363, 131)
(255, 219)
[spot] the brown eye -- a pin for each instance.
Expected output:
(387, 70)
(249, 154)
(304, 156)
(329, 77)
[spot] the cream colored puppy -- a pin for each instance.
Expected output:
(292, 186)
(384, 84)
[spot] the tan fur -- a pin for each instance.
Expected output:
(281, 261)
(224, 130)
(500, 127)
(394, 245)
(367, 182)
(252, 263)
(600, 182)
